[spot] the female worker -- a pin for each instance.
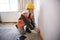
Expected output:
(26, 20)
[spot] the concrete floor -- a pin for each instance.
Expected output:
(8, 31)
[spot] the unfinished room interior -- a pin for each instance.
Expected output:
(29, 19)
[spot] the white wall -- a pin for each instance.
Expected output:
(48, 19)
(9, 16)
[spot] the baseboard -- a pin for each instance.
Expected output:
(0, 22)
(40, 36)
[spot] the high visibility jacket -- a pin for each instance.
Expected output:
(20, 24)
(28, 21)
(24, 20)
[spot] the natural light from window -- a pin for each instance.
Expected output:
(8, 5)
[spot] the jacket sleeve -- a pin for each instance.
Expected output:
(25, 21)
(32, 22)
(20, 23)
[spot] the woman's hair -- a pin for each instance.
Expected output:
(27, 8)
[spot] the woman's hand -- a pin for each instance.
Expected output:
(37, 30)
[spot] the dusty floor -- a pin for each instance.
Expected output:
(8, 31)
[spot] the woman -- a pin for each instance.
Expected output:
(26, 20)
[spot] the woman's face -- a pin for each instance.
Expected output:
(31, 11)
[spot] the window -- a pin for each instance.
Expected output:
(13, 5)
(8, 5)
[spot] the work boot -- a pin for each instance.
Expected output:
(27, 30)
(22, 38)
